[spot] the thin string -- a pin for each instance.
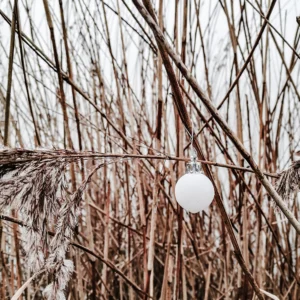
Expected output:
(188, 132)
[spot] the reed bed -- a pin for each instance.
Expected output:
(101, 106)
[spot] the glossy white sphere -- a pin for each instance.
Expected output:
(194, 192)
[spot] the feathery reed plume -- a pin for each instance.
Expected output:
(32, 187)
(33, 182)
(66, 222)
(289, 181)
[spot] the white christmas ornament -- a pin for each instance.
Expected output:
(194, 191)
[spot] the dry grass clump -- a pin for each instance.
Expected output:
(33, 182)
(289, 181)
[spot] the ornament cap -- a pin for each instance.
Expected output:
(193, 166)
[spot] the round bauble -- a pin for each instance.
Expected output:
(194, 192)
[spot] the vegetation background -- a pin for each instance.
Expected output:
(97, 78)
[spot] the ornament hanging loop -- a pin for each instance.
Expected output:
(193, 166)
